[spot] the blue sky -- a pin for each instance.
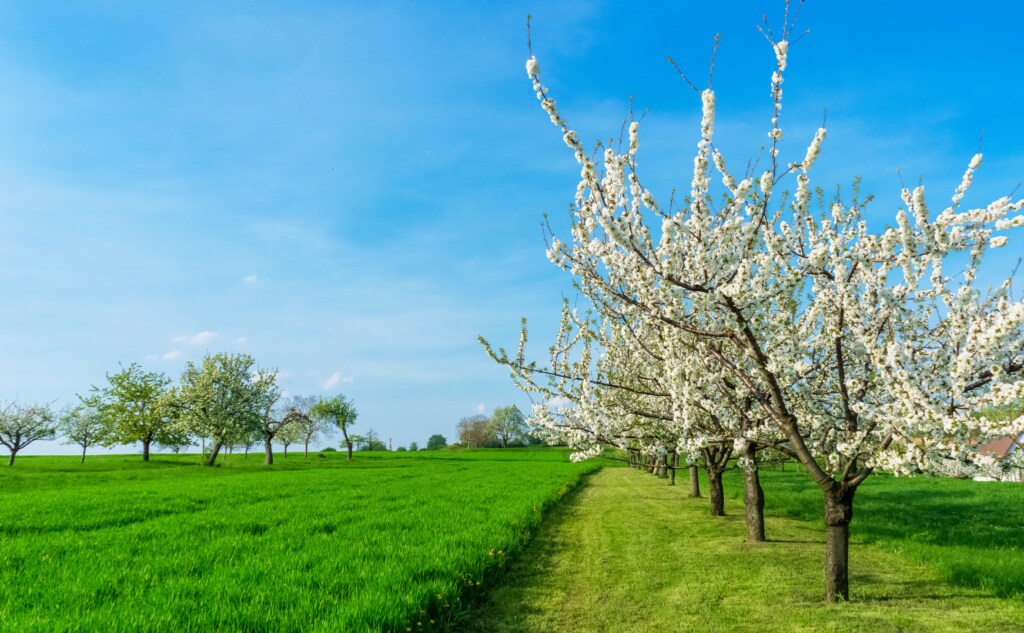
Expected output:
(352, 192)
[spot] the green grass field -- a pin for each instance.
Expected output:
(629, 554)
(382, 543)
(436, 540)
(971, 533)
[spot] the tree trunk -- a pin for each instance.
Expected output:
(83, 455)
(145, 450)
(305, 450)
(675, 464)
(694, 481)
(663, 467)
(753, 496)
(10, 462)
(348, 442)
(268, 450)
(246, 451)
(717, 494)
(212, 459)
(838, 513)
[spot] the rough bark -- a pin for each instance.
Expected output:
(348, 442)
(838, 513)
(145, 449)
(10, 462)
(268, 450)
(753, 497)
(212, 459)
(717, 494)
(694, 481)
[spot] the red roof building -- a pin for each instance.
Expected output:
(1002, 447)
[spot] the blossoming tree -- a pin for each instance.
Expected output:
(861, 349)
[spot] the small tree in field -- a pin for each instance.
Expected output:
(474, 431)
(340, 412)
(369, 442)
(273, 418)
(82, 425)
(288, 435)
(223, 399)
(436, 441)
(133, 406)
(299, 412)
(22, 425)
(508, 424)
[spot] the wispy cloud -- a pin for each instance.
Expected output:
(336, 379)
(199, 338)
(241, 340)
(250, 279)
(559, 402)
(480, 408)
(171, 355)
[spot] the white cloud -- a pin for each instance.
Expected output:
(480, 408)
(152, 356)
(336, 379)
(172, 355)
(250, 279)
(559, 402)
(199, 338)
(241, 340)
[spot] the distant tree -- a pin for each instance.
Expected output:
(373, 442)
(134, 408)
(474, 431)
(250, 440)
(413, 446)
(508, 425)
(340, 412)
(436, 441)
(223, 399)
(401, 449)
(369, 442)
(22, 425)
(273, 419)
(299, 411)
(82, 425)
(288, 435)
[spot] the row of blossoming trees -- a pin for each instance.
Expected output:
(742, 320)
(225, 399)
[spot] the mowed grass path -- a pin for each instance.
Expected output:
(629, 553)
(380, 543)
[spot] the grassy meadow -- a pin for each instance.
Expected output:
(397, 541)
(970, 532)
(628, 554)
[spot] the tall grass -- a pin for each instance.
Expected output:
(386, 542)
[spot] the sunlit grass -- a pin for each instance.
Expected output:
(319, 544)
(971, 533)
(627, 553)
